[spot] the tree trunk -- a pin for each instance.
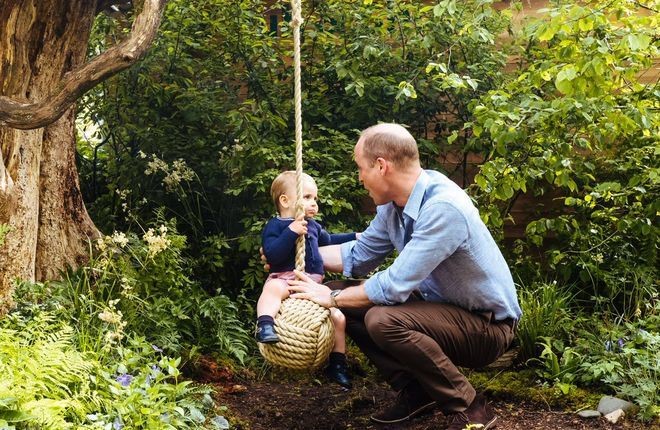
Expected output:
(40, 200)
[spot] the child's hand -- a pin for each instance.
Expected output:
(299, 225)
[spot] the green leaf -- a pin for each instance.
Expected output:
(548, 32)
(564, 79)
(638, 41)
(359, 88)
(585, 24)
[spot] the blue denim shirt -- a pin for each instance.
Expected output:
(446, 253)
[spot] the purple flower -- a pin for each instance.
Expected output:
(117, 425)
(156, 348)
(620, 343)
(125, 379)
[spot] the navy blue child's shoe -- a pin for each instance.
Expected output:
(265, 333)
(337, 370)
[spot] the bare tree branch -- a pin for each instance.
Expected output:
(27, 116)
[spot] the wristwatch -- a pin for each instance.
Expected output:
(333, 298)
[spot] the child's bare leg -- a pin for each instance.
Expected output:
(275, 290)
(339, 321)
(337, 369)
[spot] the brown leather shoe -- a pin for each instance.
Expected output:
(410, 402)
(478, 415)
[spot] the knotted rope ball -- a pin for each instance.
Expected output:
(306, 335)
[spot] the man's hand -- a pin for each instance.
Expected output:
(299, 225)
(262, 256)
(306, 288)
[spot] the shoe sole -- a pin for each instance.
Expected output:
(268, 341)
(490, 424)
(413, 414)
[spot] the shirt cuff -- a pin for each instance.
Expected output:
(347, 258)
(375, 292)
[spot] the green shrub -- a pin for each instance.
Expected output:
(46, 382)
(546, 314)
(574, 120)
(625, 357)
(141, 286)
(209, 114)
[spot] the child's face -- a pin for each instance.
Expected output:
(310, 197)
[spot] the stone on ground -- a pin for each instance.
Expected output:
(609, 404)
(589, 413)
(614, 416)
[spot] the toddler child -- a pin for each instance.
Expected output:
(279, 246)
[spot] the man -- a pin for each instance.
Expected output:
(448, 298)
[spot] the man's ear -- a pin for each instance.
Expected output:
(383, 165)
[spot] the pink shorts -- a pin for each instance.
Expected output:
(289, 276)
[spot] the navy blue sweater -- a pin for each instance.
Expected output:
(279, 243)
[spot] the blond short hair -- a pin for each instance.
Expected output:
(283, 183)
(390, 141)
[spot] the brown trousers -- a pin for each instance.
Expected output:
(425, 342)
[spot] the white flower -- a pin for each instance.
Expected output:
(120, 239)
(122, 193)
(142, 154)
(180, 172)
(110, 317)
(100, 244)
(156, 242)
(126, 287)
(156, 165)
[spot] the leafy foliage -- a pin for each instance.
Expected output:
(140, 287)
(621, 357)
(546, 315)
(46, 382)
(216, 93)
(202, 126)
(574, 122)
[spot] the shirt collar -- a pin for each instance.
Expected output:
(416, 196)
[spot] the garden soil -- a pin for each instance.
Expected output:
(260, 404)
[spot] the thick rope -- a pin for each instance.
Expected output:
(305, 330)
(296, 21)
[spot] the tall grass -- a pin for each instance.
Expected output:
(546, 314)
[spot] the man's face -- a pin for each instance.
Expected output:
(369, 173)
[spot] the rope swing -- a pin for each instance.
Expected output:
(305, 330)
